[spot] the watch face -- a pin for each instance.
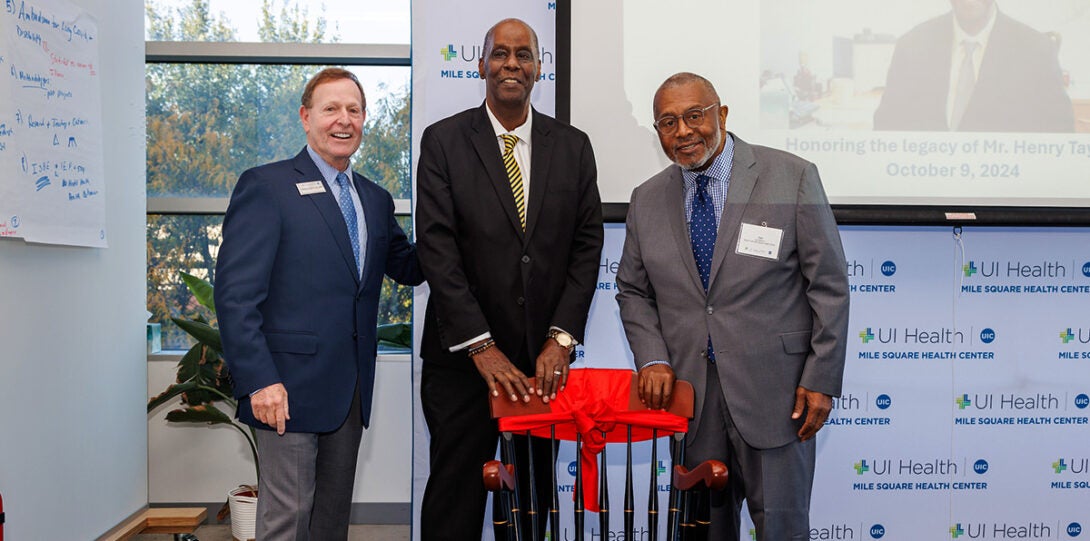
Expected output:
(563, 339)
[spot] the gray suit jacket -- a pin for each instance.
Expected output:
(775, 324)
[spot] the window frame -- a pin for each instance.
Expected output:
(235, 52)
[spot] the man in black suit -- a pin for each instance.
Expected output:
(509, 236)
(975, 69)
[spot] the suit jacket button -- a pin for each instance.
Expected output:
(525, 259)
(355, 335)
(521, 301)
(709, 310)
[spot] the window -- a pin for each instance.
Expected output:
(223, 85)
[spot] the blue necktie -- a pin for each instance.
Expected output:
(702, 236)
(702, 229)
(349, 211)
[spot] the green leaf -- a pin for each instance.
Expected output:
(199, 414)
(201, 289)
(170, 393)
(203, 332)
(189, 365)
(398, 335)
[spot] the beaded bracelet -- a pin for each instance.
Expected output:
(481, 348)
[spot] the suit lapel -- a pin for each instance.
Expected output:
(675, 211)
(743, 177)
(541, 156)
(488, 151)
(328, 208)
(373, 216)
(1000, 48)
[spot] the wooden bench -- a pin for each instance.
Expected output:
(175, 520)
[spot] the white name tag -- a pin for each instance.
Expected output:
(312, 187)
(759, 241)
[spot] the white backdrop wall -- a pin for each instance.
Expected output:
(73, 438)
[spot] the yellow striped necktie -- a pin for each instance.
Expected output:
(514, 176)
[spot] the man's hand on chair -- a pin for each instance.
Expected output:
(552, 370)
(656, 384)
(495, 368)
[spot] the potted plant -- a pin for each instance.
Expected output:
(201, 382)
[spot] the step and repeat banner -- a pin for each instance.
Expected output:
(967, 387)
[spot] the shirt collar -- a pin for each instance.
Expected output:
(522, 132)
(719, 170)
(329, 173)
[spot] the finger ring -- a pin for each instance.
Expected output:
(557, 372)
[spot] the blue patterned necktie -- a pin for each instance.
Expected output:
(349, 211)
(702, 229)
(702, 236)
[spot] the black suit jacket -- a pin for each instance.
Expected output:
(485, 273)
(1019, 87)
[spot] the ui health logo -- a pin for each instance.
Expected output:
(1079, 335)
(868, 335)
(1002, 530)
(473, 53)
(1074, 466)
(919, 335)
(907, 466)
(1016, 269)
(1008, 401)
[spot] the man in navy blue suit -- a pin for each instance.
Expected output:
(306, 242)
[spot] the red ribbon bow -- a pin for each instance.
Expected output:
(594, 404)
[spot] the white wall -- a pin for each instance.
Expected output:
(199, 464)
(73, 436)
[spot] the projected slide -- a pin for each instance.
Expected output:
(934, 102)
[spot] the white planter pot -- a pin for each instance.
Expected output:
(243, 502)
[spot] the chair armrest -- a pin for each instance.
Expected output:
(498, 476)
(710, 473)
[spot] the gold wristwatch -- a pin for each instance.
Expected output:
(562, 338)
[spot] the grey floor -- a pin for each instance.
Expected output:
(356, 532)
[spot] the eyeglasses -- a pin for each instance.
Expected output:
(693, 118)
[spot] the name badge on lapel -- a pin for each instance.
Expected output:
(759, 241)
(312, 187)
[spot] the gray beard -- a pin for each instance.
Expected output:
(707, 158)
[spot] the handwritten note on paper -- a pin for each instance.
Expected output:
(52, 187)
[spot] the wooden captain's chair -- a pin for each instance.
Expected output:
(605, 404)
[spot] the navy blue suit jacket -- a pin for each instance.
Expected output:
(291, 307)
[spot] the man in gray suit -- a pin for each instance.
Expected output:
(743, 292)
